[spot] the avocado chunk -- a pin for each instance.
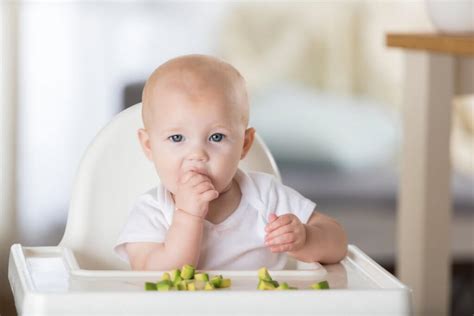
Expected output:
(192, 286)
(283, 286)
(216, 281)
(164, 285)
(187, 272)
(265, 285)
(209, 286)
(182, 285)
(264, 275)
(320, 285)
(225, 283)
(150, 286)
(201, 276)
(175, 274)
(177, 280)
(166, 276)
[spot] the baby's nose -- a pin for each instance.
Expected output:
(198, 154)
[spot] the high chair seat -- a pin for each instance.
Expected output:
(112, 173)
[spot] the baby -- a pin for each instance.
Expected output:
(206, 211)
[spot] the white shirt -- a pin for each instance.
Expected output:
(237, 243)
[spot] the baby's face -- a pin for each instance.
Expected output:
(203, 132)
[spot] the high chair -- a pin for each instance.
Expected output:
(82, 275)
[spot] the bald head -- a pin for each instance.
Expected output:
(193, 75)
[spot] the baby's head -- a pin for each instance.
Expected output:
(195, 114)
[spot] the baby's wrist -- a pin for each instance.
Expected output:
(197, 217)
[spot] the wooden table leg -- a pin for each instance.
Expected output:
(424, 210)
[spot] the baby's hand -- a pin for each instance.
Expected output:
(194, 193)
(285, 233)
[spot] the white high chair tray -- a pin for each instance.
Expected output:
(48, 281)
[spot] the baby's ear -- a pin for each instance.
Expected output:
(248, 141)
(144, 139)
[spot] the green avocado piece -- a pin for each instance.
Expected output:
(192, 286)
(150, 286)
(283, 286)
(320, 285)
(201, 276)
(182, 285)
(200, 284)
(265, 285)
(177, 281)
(164, 285)
(225, 283)
(175, 274)
(264, 275)
(187, 272)
(209, 286)
(216, 281)
(166, 276)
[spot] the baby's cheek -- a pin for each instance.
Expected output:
(169, 180)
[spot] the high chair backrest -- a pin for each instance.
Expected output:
(112, 173)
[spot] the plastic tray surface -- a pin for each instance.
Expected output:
(48, 281)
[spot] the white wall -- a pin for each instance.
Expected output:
(75, 58)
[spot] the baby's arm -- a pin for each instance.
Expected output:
(182, 246)
(322, 239)
(183, 240)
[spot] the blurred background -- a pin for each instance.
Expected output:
(326, 95)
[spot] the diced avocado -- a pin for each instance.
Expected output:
(265, 285)
(192, 286)
(263, 274)
(201, 276)
(166, 276)
(209, 286)
(320, 285)
(216, 281)
(182, 286)
(164, 285)
(225, 283)
(177, 280)
(200, 284)
(283, 286)
(187, 272)
(175, 274)
(150, 286)
(275, 283)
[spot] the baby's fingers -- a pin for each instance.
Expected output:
(210, 195)
(203, 187)
(278, 222)
(281, 239)
(272, 217)
(186, 176)
(278, 232)
(283, 247)
(197, 179)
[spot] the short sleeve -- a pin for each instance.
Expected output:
(283, 199)
(145, 223)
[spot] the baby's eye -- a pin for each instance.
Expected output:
(176, 138)
(217, 137)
